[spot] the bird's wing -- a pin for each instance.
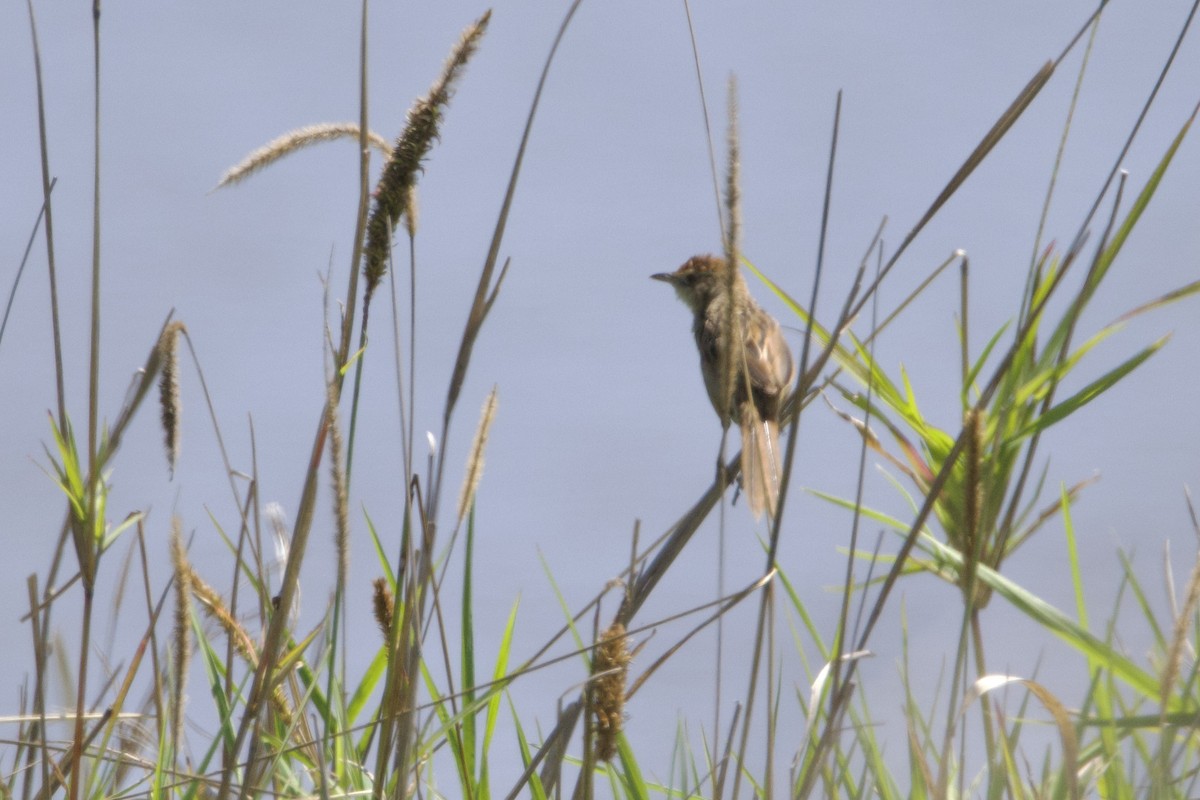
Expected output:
(768, 359)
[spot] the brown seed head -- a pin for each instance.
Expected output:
(393, 194)
(385, 606)
(168, 390)
(610, 666)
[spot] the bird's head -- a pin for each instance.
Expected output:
(698, 280)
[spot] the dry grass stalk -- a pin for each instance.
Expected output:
(215, 608)
(341, 502)
(168, 391)
(475, 463)
(729, 365)
(1180, 644)
(733, 191)
(393, 192)
(181, 629)
(971, 538)
(294, 140)
(611, 667)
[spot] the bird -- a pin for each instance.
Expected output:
(762, 366)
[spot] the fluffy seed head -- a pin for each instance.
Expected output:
(611, 666)
(393, 193)
(170, 405)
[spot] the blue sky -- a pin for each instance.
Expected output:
(602, 418)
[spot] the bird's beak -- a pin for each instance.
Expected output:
(663, 276)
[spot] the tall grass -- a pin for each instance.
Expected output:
(425, 714)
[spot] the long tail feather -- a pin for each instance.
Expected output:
(761, 463)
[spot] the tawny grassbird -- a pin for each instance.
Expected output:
(761, 367)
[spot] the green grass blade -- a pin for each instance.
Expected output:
(366, 687)
(467, 663)
(493, 704)
(1056, 622)
(1090, 392)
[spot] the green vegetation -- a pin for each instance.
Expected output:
(423, 718)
